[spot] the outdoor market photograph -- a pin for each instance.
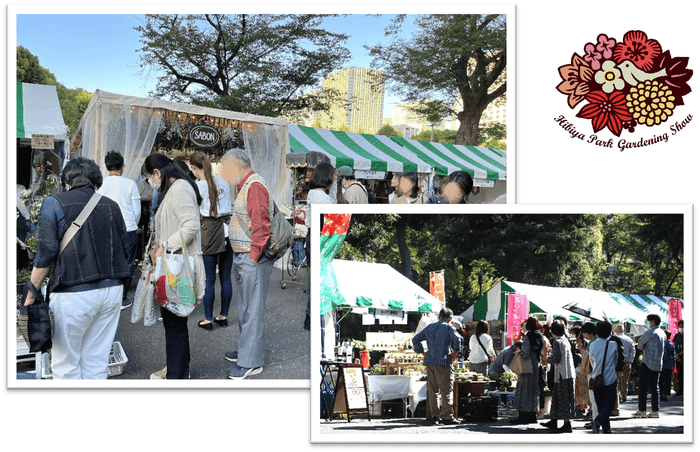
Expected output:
(514, 325)
(166, 181)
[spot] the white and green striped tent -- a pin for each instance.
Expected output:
(367, 285)
(358, 151)
(39, 112)
(619, 307)
(480, 162)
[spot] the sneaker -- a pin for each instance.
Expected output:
(654, 414)
(239, 373)
(639, 414)
(125, 303)
(231, 356)
(160, 375)
(452, 421)
(595, 426)
(431, 421)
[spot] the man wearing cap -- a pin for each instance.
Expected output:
(353, 190)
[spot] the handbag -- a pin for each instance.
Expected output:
(597, 382)
(39, 317)
(174, 282)
(145, 305)
(520, 365)
(213, 235)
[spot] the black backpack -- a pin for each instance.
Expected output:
(574, 351)
(370, 197)
(620, 353)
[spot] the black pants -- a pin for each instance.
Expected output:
(177, 345)
(665, 382)
(679, 368)
(648, 379)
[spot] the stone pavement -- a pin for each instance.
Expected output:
(287, 342)
(670, 421)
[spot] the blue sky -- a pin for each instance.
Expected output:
(98, 51)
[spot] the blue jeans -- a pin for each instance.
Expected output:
(605, 401)
(130, 241)
(224, 260)
(648, 379)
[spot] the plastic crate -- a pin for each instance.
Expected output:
(117, 362)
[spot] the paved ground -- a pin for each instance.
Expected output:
(287, 342)
(670, 421)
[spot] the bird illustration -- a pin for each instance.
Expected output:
(633, 75)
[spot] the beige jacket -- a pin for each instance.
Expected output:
(177, 219)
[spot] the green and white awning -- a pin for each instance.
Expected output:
(358, 151)
(379, 286)
(480, 162)
(39, 112)
(619, 307)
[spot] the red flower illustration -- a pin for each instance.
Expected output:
(576, 77)
(606, 111)
(636, 47)
(336, 224)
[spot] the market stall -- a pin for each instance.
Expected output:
(550, 302)
(373, 157)
(137, 127)
(487, 166)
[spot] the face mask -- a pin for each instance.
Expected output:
(680, 330)
(154, 186)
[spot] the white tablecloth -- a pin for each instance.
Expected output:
(406, 387)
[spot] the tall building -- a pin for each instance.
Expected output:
(360, 107)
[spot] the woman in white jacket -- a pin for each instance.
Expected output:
(563, 395)
(481, 351)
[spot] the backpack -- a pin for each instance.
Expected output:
(370, 196)
(574, 351)
(281, 233)
(620, 353)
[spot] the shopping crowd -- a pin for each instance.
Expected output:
(194, 215)
(585, 367)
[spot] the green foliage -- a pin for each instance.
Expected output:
(439, 136)
(388, 131)
(450, 57)
(493, 135)
(256, 63)
(73, 101)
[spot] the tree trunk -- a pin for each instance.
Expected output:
(403, 250)
(468, 132)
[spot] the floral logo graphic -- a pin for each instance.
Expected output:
(626, 84)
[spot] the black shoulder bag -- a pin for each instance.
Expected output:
(598, 382)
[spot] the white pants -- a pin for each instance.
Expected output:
(593, 404)
(84, 327)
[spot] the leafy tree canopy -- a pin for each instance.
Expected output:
(451, 57)
(261, 64)
(388, 130)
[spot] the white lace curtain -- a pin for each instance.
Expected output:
(267, 146)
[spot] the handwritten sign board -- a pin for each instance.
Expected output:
(42, 141)
(351, 392)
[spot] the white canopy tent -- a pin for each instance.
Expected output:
(129, 125)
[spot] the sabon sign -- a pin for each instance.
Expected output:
(204, 136)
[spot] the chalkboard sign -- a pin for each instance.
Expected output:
(351, 392)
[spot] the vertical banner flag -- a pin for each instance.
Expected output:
(518, 310)
(335, 228)
(437, 285)
(675, 314)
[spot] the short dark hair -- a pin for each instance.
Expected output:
(588, 328)
(413, 177)
(603, 329)
(114, 161)
(463, 179)
(518, 344)
(482, 327)
(322, 177)
(655, 318)
(668, 334)
(80, 172)
(576, 331)
(533, 324)
(445, 313)
(558, 328)
(680, 323)
(562, 318)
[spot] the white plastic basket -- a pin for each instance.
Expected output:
(117, 362)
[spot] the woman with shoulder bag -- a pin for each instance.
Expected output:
(562, 361)
(176, 223)
(481, 351)
(527, 391)
(215, 211)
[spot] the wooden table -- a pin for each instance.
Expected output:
(460, 391)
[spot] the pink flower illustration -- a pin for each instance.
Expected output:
(605, 45)
(575, 78)
(592, 57)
